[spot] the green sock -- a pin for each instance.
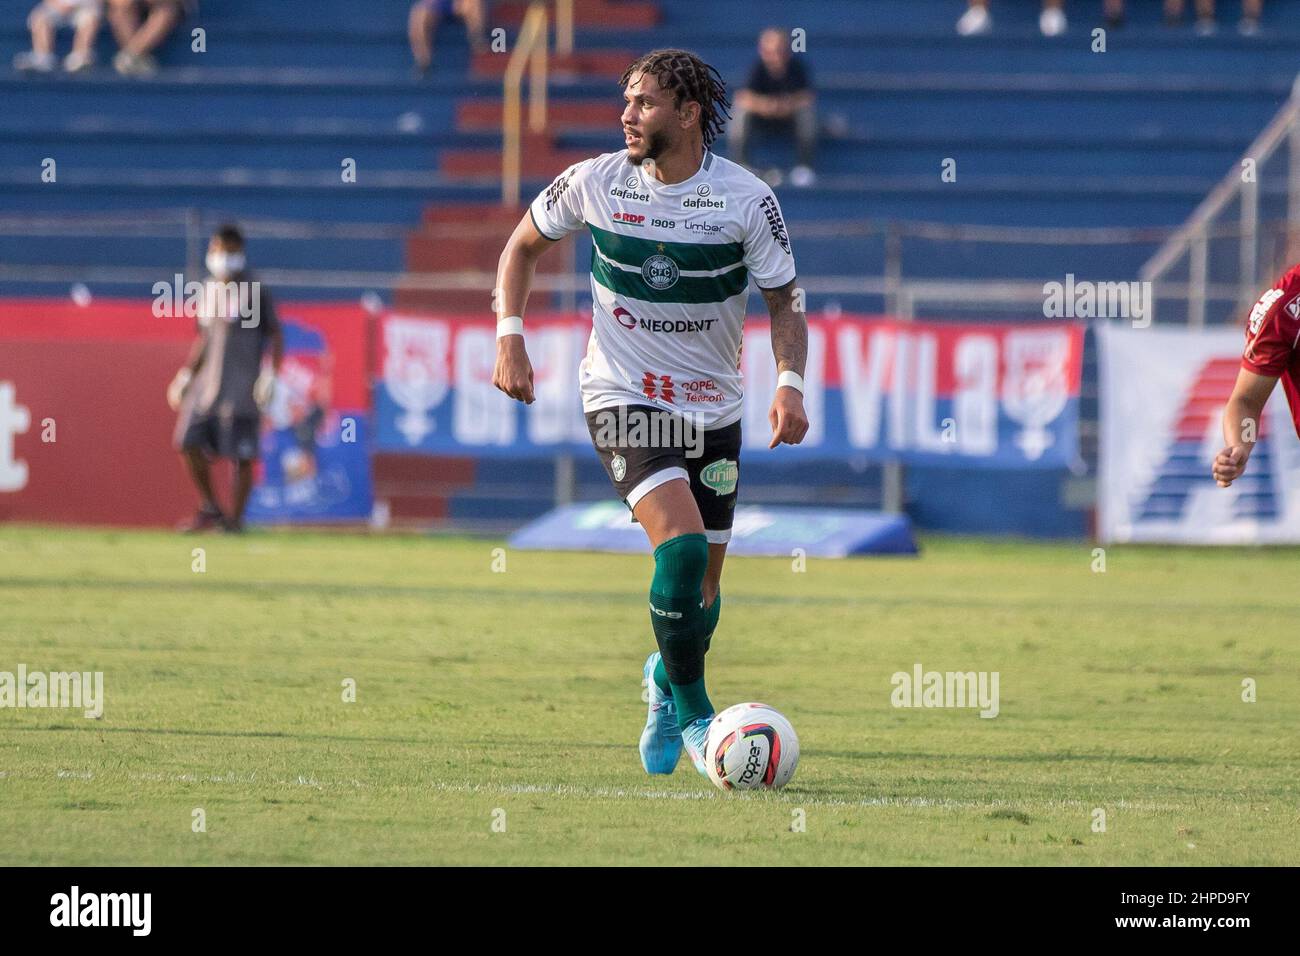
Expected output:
(711, 614)
(692, 702)
(678, 619)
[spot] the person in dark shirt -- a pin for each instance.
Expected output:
(778, 97)
(222, 389)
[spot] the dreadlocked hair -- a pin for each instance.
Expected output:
(687, 77)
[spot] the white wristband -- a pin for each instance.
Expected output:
(792, 379)
(510, 325)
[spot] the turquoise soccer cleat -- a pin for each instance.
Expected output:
(661, 741)
(695, 736)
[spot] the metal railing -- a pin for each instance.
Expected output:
(897, 283)
(563, 27)
(529, 52)
(1237, 198)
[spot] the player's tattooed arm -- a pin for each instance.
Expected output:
(790, 346)
(789, 329)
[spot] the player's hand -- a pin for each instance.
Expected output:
(787, 418)
(176, 388)
(513, 373)
(264, 390)
(1229, 464)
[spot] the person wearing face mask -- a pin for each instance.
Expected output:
(223, 387)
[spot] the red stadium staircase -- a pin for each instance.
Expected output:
(603, 14)
(468, 237)
(460, 238)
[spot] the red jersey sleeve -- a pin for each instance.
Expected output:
(1273, 328)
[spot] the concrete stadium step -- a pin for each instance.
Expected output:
(1092, 105)
(937, 17)
(485, 164)
(454, 237)
(489, 213)
(539, 158)
(731, 49)
(891, 155)
(198, 97)
(217, 155)
(467, 236)
(846, 51)
(824, 14)
(592, 63)
(1041, 200)
(606, 14)
(561, 114)
(1012, 107)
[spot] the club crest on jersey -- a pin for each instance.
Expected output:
(659, 272)
(619, 467)
(1293, 308)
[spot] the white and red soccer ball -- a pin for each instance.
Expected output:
(751, 747)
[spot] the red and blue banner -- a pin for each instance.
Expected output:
(986, 395)
(1163, 392)
(86, 434)
(315, 462)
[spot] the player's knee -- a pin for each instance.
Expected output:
(680, 564)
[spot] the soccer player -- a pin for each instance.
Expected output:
(678, 233)
(222, 388)
(1272, 352)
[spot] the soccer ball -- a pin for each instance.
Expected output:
(751, 747)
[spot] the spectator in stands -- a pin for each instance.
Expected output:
(1205, 25)
(222, 389)
(137, 40)
(44, 22)
(426, 15)
(977, 19)
(778, 96)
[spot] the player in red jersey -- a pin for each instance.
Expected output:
(1272, 352)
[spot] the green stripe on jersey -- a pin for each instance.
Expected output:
(687, 289)
(691, 256)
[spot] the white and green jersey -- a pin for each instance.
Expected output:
(670, 270)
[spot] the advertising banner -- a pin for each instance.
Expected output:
(987, 395)
(1163, 391)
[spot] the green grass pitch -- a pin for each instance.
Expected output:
(510, 701)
